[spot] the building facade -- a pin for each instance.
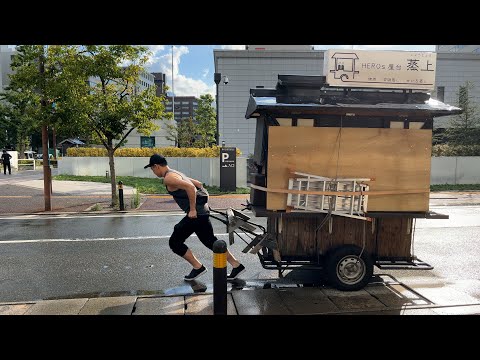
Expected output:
(6, 57)
(255, 68)
(259, 67)
(185, 106)
(454, 70)
(457, 49)
(159, 80)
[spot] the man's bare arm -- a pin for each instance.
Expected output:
(197, 183)
(175, 182)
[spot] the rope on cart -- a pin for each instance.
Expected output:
(413, 237)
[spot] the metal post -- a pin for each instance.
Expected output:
(217, 77)
(120, 195)
(219, 277)
(173, 92)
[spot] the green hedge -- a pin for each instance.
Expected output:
(147, 152)
(456, 150)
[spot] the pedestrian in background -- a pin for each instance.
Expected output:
(6, 162)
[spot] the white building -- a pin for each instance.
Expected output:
(6, 56)
(259, 66)
(458, 49)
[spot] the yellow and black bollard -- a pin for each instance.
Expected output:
(120, 195)
(219, 277)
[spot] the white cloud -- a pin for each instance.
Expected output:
(205, 72)
(155, 48)
(233, 47)
(183, 85)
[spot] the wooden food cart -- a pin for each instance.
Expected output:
(341, 175)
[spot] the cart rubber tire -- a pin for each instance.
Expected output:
(346, 270)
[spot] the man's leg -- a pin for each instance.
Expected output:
(4, 169)
(181, 233)
(9, 168)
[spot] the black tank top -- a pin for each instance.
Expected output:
(181, 197)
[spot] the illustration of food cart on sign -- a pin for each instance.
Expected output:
(344, 65)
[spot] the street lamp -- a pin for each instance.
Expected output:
(217, 77)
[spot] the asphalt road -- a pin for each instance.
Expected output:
(44, 257)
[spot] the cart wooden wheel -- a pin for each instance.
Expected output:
(347, 270)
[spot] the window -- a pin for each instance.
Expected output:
(147, 141)
(441, 93)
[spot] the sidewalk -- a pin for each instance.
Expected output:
(383, 296)
(22, 193)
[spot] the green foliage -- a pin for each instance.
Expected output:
(112, 103)
(147, 152)
(457, 187)
(198, 132)
(96, 207)
(461, 125)
(21, 100)
(136, 197)
(187, 130)
(206, 120)
(455, 150)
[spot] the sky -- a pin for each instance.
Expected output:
(193, 66)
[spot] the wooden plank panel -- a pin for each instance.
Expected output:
(398, 159)
(393, 241)
(298, 236)
(406, 237)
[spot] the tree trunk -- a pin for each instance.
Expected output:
(111, 162)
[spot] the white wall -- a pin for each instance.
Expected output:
(444, 170)
(206, 170)
(13, 160)
(455, 170)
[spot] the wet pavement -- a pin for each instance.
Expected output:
(383, 296)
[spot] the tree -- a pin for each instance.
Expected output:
(16, 125)
(21, 99)
(464, 128)
(187, 131)
(38, 98)
(111, 102)
(206, 120)
(172, 132)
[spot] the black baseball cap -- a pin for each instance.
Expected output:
(156, 159)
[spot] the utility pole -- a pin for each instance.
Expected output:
(47, 178)
(173, 92)
(217, 77)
